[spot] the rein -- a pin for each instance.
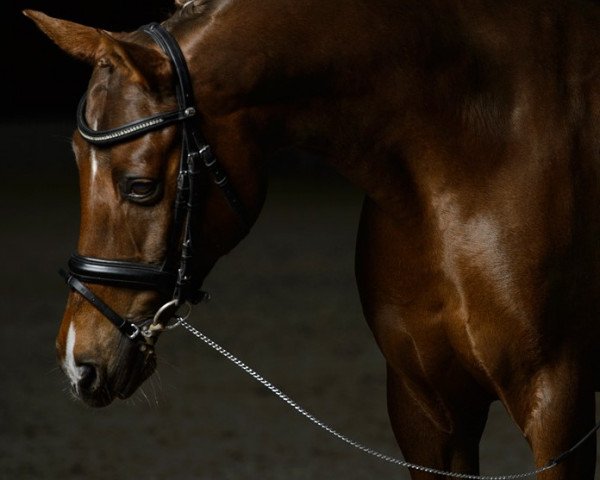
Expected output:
(359, 446)
(169, 279)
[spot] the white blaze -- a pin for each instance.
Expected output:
(73, 371)
(94, 166)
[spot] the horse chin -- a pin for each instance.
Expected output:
(131, 377)
(126, 389)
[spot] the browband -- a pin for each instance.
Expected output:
(129, 130)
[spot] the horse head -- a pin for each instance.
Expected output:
(129, 190)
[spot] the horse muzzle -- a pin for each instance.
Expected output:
(98, 379)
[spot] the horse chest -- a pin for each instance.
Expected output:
(456, 292)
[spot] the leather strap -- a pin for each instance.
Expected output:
(129, 329)
(184, 90)
(121, 274)
(129, 130)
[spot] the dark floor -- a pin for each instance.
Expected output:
(284, 301)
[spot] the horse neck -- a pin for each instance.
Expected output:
(390, 93)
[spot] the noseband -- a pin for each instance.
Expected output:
(172, 278)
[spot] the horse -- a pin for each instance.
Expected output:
(472, 127)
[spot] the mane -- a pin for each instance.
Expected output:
(190, 9)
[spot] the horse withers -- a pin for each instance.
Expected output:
(473, 129)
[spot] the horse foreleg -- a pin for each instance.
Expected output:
(554, 414)
(434, 434)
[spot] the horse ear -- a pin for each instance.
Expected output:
(143, 65)
(77, 40)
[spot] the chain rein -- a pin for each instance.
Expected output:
(182, 321)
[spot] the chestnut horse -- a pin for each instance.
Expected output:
(473, 128)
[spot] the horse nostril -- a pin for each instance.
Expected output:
(88, 374)
(89, 384)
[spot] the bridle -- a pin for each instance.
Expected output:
(171, 278)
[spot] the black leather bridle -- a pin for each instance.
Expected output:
(172, 277)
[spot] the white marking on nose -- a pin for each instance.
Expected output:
(73, 371)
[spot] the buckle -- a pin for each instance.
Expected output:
(136, 331)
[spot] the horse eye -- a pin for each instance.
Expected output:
(140, 189)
